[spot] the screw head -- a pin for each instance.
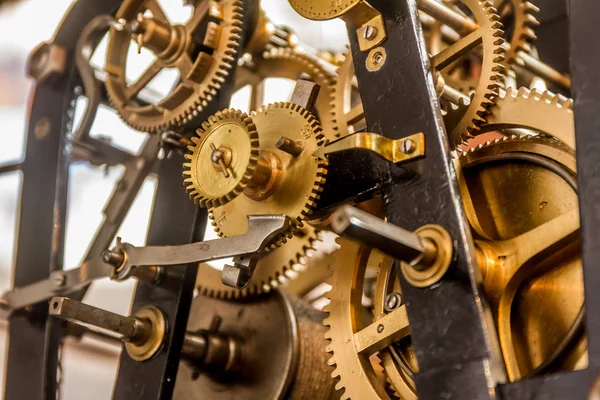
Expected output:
(379, 328)
(369, 32)
(392, 301)
(408, 146)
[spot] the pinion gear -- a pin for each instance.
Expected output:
(223, 158)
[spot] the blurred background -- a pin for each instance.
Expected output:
(89, 366)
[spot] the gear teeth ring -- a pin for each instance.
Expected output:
(524, 24)
(191, 174)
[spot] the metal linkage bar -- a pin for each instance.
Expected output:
(450, 322)
(34, 340)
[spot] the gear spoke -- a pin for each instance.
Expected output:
(355, 115)
(200, 13)
(456, 50)
(150, 73)
(184, 65)
(383, 332)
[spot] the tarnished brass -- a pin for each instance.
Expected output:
(143, 350)
(396, 151)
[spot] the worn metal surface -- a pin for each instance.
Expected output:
(33, 341)
(449, 322)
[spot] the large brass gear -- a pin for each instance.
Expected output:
(291, 64)
(346, 106)
(274, 269)
(203, 67)
(231, 136)
(528, 250)
(289, 185)
(356, 368)
(463, 122)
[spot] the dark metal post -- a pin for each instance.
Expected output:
(450, 323)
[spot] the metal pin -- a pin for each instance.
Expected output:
(217, 158)
(290, 146)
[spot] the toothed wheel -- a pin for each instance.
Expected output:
(273, 270)
(222, 159)
(203, 63)
(288, 178)
(290, 64)
(463, 122)
(522, 14)
(361, 348)
(320, 10)
(346, 106)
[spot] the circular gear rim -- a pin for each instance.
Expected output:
(209, 127)
(298, 218)
(341, 98)
(223, 63)
(523, 34)
(320, 10)
(296, 63)
(463, 122)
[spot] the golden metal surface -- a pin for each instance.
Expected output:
(546, 112)
(323, 10)
(522, 14)
(525, 221)
(274, 269)
(376, 59)
(396, 151)
(353, 339)
(464, 121)
(151, 343)
(234, 134)
(302, 177)
(202, 73)
(426, 273)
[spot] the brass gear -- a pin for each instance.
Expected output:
(233, 134)
(274, 269)
(524, 21)
(291, 64)
(202, 75)
(355, 369)
(346, 106)
(528, 250)
(545, 112)
(293, 184)
(320, 10)
(463, 122)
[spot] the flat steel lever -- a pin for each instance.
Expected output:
(121, 263)
(144, 334)
(426, 253)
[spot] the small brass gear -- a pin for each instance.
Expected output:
(464, 121)
(274, 269)
(346, 106)
(320, 10)
(202, 73)
(282, 183)
(222, 159)
(291, 64)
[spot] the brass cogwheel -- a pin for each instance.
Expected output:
(203, 66)
(354, 342)
(320, 10)
(283, 183)
(464, 121)
(223, 158)
(529, 251)
(545, 112)
(274, 269)
(346, 106)
(291, 64)
(523, 22)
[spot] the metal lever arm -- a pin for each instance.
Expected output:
(261, 230)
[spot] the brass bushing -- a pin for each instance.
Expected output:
(152, 336)
(422, 274)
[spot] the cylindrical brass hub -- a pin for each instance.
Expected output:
(266, 178)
